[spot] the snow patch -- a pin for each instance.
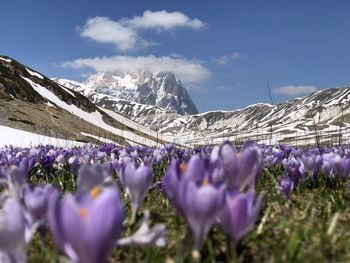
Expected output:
(34, 74)
(6, 59)
(67, 90)
(20, 138)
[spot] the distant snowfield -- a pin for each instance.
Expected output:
(19, 138)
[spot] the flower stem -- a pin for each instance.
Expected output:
(211, 249)
(231, 250)
(133, 216)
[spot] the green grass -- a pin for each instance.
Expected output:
(313, 226)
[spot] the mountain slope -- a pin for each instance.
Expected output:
(31, 102)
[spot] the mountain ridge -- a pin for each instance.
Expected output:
(290, 122)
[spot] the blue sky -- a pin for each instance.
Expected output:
(225, 51)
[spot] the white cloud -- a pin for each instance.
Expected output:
(294, 90)
(125, 33)
(227, 59)
(105, 30)
(189, 71)
(164, 20)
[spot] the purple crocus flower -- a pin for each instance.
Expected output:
(294, 170)
(239, 213)
(36, 201)
(329, 162)
(286, 186)
(242, 169)
(157, 157)
(343, 167)
(19, 174)
(16, 177)
(270, 160)
(74, 162)
(86, 227)
(148, 160)
(196, 170)
(200, 205)
(171, 182)
(312, 164)
(278, 153)
(47, 161)
(181, 173)
(137, 182)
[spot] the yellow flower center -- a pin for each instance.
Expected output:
(95, 191)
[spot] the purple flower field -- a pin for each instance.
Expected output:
(212, 204)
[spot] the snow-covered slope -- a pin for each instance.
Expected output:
(322, 116)
(160, 89)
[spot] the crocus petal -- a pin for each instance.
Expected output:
(103, 225)
(200, 206)
(195, 169)
(72, 225)
(86, 227)
(137, 182)
(12, 231)
(239, 214)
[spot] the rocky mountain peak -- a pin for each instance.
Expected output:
(160, 89)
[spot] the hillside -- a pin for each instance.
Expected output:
(31, 102)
